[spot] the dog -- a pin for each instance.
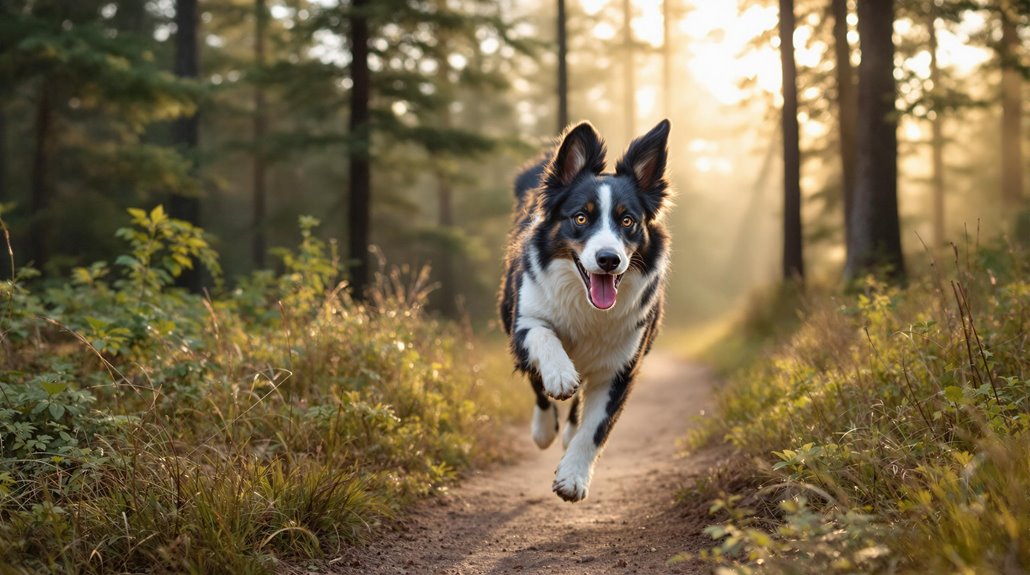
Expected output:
(582, 295)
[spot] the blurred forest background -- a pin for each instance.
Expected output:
(401, 123)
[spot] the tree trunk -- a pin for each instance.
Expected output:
(667, 56)
(563, 69)
(3, 152)
(132, 15)
(260, 121)
(875, 244)
(185, 130)
(847, 112)
(1012, 111)
(5, 263)
(629, 76)
(793, 262)
(360, 164)
(41, 186)
(445, 197)
(445, 267)
(937, 135)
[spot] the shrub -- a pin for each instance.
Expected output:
(145, 428)
(894, 429)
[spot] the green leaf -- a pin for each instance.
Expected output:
(53, 387)
(954, 394)
(56, 410)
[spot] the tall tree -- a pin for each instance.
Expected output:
(3, 134)
(936, 114)
(875, 242)
(847, 109)
(793, 261)
(445, 190)
(360, 198)
(1012, 108)
(3, 152)
(563, 68)
(629, 73)
(258, 223)
(41, 181)
(186, 129)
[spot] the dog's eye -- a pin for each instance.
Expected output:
(628, 221)
(580, 219)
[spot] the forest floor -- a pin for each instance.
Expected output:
(507, 520)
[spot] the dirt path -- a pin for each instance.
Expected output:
(507, 520)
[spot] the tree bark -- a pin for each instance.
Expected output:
(937, 136)
(629, 76)
(563, 69)
(445, 201)
(260, 244)
(3, 152)
(360, 165)
(793, 262)
(875, 244)
(1012, 110)
(847, 112)
(186, 130)
(41, 185)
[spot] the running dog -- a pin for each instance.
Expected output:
(582, 293)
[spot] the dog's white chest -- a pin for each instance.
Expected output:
(599, 342)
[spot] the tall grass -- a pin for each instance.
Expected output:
(890, 432)
(146, 429)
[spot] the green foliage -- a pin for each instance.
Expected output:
(144, 428)
(907, 413)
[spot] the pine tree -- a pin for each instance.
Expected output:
(875, 243)
(260, 171)
(1012, 106)
(793, 261)
(360, 198)
(847, 108)
(186, 130)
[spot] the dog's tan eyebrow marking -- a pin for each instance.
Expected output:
(620, 209)
(589, 207)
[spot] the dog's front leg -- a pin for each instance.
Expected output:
(602, 403)
(539, 348)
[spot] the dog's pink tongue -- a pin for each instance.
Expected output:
(602, 290)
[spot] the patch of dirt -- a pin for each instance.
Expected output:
(507, 520)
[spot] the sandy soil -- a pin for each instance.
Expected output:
(507, 520)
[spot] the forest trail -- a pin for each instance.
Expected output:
(507, 520)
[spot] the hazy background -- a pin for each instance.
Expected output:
(463, 92)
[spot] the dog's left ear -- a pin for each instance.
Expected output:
(644, 162)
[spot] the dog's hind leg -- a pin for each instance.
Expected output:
(601, 407)
(572, 424)
(545, 415)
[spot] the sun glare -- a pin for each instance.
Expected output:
(720, 39)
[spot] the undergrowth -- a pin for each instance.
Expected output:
(143, 428)
(887, 432)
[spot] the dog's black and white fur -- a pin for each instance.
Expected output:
(582, 293)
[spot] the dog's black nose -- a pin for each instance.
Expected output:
(608, 260)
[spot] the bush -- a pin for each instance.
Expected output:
(145, 428)
(893, 431)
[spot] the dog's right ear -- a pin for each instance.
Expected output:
(581, 150)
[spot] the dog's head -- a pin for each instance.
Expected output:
(599, 220)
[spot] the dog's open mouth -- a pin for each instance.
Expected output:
(602, 289)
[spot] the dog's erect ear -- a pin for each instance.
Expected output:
(581, 150)
(644, 162)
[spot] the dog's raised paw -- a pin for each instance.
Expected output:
(560, 378)
(571, 488)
